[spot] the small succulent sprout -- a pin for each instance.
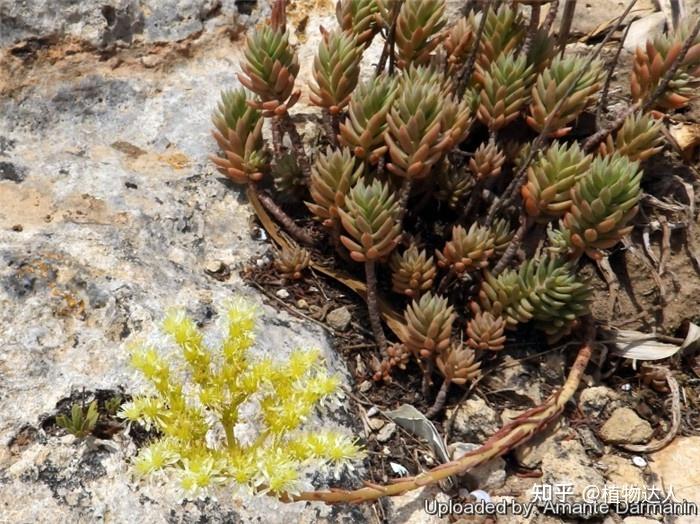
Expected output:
(458, 364)
(332, 176)
(425, 76)
(336, 70)
(288, 178)
(505, 89)
(363, 130)
(82, 420)
(457, 44)
(359, 17)
(652, 62)
(467, 251)
(238, 132)
(452, 186)
(291, 262)
(487, 161)
(485, 331)
(428, 325)
(397, 356)
(412, 272)
(270, 68)
(551, 86)
(503, 32)
(603, 201)
(418, 30)
(370, 220)
(547, 192)
(639, 138)
(545, 290)
(501, 233)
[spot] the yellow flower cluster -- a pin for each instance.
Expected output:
(258, 404)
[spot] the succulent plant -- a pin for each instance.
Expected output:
(397, 356)
(551, 86)
(418, 30)
(501, 233)
(638, 139)
(452, 186)
(547, 192)
(651, 63)
(603, 201)
(359, 17)
(369, 218)
(505, 87)
(457, 44)
(332, 176)
(363, 130)
(487, 161)
(412, 272)
(428, 325)
(485, 331)
(336, 70)
(458, 364)
(545, 290)
(239, 135)
(503, 32)
(467, 251)
(270, 69)
(291, 262)
(288, 178)
(415, 135)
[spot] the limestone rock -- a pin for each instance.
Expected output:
(596, 401)
(488, 476)
(626, 427)
(622, 472)
(675, 467)
(475, 421)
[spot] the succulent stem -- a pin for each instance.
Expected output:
(603, 100)
(331, 130)
(466, 73)
(277, 139)
(373, 306)
(513, 434)
(535, 13)
(551, 15)
(404, 194)
(567, 17)
(283, 218)
(427, 378)
(439, 399)
(525, 224)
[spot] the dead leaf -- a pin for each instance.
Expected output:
(643, 346)
(413, 421)
(687, 136)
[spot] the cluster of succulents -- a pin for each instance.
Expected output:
(440, 160)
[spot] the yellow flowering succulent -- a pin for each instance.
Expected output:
(259, 404)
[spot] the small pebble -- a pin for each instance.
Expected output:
(376, 424)
(372, 411)
(302, 304)
(639, 461)
(282, 293)
(386, 451)
(398, 469)
(386, 432)
(626, 387)
(339, 318)
(17, 228)
(365, 386)
(480, 494)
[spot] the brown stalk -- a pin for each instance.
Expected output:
(283, 218)
(567, 18)
(388, 49)
(373, 306)
(466, 73)
(535, 12)
(525, 224)
(404, 194)
(603, 101)
(439, 400)
(513, 434)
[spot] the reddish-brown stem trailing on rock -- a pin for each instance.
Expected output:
(298, 145)
(525, 224)
(510, 436)
(466, 73)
